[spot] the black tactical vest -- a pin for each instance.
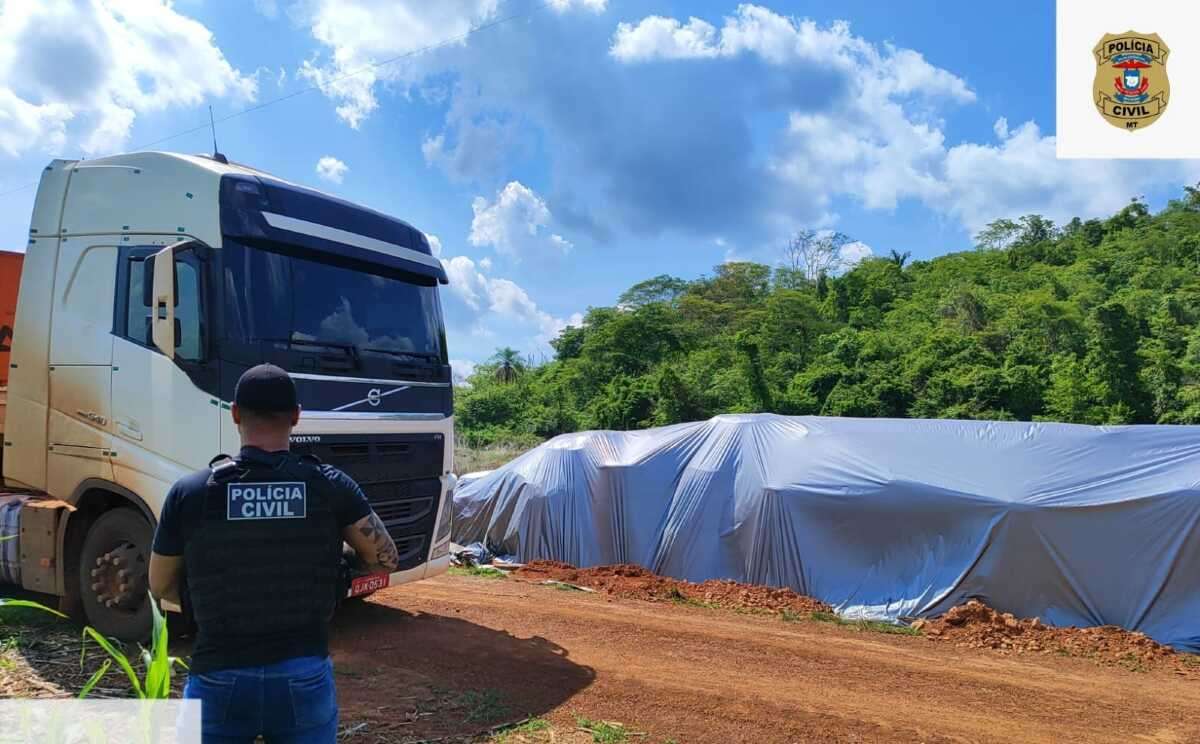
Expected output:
(265, 558)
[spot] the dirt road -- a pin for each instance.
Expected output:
(445, 656)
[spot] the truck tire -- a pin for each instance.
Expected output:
(114, 584)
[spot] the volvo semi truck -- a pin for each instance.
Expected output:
(150, 282)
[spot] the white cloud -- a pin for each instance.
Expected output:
(880, 141)
(462, 369)
(85, 71)
(361, 33)
(501, 299)
(435, 244)
(516, 222)
(623, 112)
(1019, 174)
(331, 169)
(27, 125)
(852, 254)
(868, 144)
(596, 6)
(780, 40)
(480, 142)
(656, 37)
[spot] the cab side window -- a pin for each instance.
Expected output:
(188, 310)
(137, 315)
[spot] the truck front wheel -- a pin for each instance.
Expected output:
(114, 575)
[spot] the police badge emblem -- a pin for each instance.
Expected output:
(1131, 89)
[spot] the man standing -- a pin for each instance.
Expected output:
(253, 545)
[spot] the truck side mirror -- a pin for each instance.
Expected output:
(160, 275)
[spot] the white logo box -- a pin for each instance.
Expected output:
(100, 721)
(1080, 131)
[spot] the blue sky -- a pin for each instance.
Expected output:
(563, 155)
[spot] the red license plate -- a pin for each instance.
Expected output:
(367, 584)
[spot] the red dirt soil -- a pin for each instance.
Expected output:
(971, 625)
(456, 654)
(975, 625)
(634, 582)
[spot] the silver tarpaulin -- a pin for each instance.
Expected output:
(884, 519)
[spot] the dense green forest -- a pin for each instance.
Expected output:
(1096, 322)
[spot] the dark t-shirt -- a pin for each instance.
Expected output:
(182, 513)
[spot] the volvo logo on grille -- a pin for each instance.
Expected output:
(305, 439)
(374, 398)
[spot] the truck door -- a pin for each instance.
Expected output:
(166, 415)
(78, 423)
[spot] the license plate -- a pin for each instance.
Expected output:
(367, 584)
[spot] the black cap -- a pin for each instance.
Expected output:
(265, 388)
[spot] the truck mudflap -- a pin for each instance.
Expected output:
(30, 560)
(10, 533)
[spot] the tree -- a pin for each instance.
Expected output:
(998, 235)
(899, 258)
(508, 365)
(812, 254)
(1035, 229)
(662, 288)
(1098, 322)
(1191, 200)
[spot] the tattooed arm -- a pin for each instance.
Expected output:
(370, 539)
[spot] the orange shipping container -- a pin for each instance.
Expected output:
(10, 282)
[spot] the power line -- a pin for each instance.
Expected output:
(533, 8)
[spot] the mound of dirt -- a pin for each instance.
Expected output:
(635, 582)
(975, 625)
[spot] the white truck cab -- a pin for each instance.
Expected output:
(150, 283)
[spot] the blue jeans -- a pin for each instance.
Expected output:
(291, 702)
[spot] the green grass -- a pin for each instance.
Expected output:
(679, 598)
(24, 615)
(603, 732)
(1132, 662)
(563, 586)
(482, 572)
(873, 626)
(531, 726)
(483, 705)
(11, 643)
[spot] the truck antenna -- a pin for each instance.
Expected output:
(217, 156)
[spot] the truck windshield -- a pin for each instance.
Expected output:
(299, 303)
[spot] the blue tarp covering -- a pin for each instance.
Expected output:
(881, 518)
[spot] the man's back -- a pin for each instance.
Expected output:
(253, 547)
(261, 541)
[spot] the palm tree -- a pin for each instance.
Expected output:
(508, 364)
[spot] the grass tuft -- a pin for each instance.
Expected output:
(603, 732)
(1132, 662)
(482, 572)
(519, 732)
(483, 705)
(678, 597)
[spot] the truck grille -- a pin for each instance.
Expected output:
(400, 475)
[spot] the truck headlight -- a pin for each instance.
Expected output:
(447, 515)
